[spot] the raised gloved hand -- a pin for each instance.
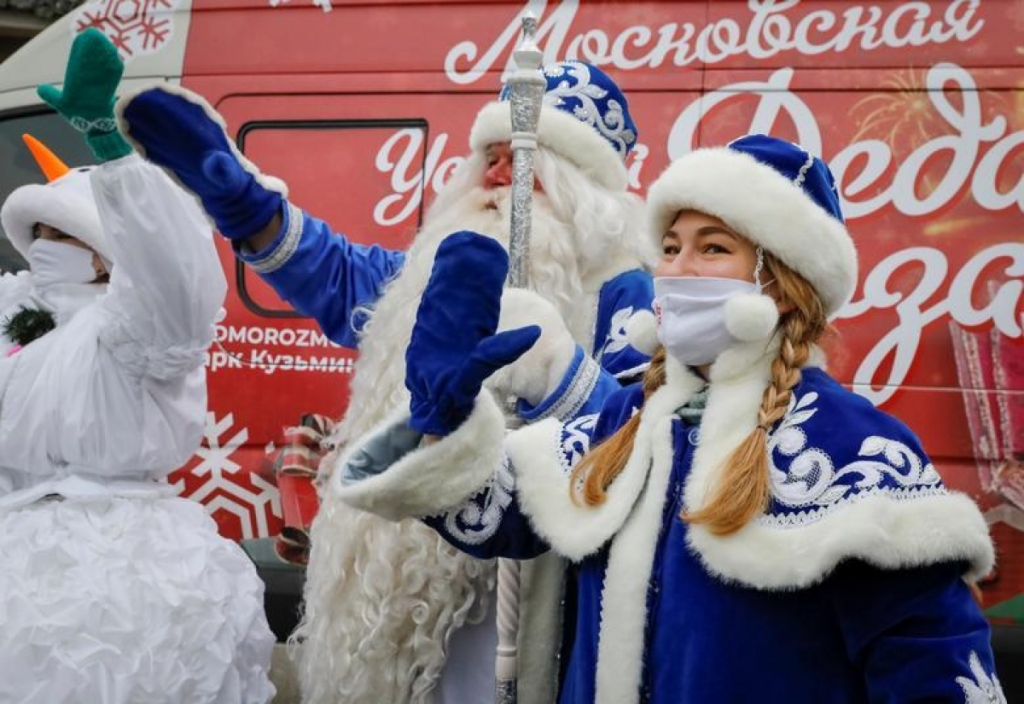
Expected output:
(87, 100)
(454, 347)
(536, 374)
(179, 131)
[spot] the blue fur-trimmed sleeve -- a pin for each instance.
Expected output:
(491, 522)
(918, 632)
(620, 298)
(323, 275)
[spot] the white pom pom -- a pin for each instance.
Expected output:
(642, 332)
(751, 316)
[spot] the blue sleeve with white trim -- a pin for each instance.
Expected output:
(323, 275)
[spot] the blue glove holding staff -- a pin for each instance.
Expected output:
(454, 347)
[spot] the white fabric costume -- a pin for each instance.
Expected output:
(112, 589)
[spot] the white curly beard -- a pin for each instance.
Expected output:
(383, 599)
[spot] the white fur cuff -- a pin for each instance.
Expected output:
(432, 478)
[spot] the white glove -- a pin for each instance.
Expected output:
(535, 375)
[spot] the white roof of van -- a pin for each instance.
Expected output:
(43, 59)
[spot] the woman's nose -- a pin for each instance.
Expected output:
(680, 264)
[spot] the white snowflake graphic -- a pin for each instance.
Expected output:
(215, 481)
(135, 27)
(983, 689)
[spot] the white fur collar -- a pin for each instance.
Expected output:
(543, 483)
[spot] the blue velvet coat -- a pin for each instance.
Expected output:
(849, 588)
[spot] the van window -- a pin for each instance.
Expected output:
(19, 168)
(306, 154)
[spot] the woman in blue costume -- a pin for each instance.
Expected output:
(742, 528)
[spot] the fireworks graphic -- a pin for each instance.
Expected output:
(904, 116)
(135, 27)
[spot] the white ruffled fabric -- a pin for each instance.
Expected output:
(116, 593)
(119, 600)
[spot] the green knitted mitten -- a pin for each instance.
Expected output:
(87, 101)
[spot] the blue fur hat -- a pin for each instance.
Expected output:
(585, 118)
(774, 193)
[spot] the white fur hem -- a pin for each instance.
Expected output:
(883, 531)
(575, 141)
(543, 483)
(433, 478)
(705, 180)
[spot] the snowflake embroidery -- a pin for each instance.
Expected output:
(477, 520)
(983, 689)
(231, 496)
(135, 27)
(617, 339)
(813, 481)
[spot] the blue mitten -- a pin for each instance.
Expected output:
(179, 131)
(453, 347)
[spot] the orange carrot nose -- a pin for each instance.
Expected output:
(51, 166)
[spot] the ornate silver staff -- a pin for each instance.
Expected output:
(526, 92)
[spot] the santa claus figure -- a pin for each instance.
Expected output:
(392, 612)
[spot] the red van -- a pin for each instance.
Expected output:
(364, 109)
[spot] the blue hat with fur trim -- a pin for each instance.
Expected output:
(585, 118)
(774, 193)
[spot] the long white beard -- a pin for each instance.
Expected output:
(382, 599)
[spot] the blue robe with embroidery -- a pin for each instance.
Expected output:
(325, 276)
(808, 605)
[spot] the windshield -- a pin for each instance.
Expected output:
(19, 168)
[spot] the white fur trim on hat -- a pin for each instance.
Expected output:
(763, 205)
(562, 133)
(66, 204)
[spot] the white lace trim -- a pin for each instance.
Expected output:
(285, 250)
(579, 391)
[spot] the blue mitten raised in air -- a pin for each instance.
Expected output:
(179, 131)
(454, 347)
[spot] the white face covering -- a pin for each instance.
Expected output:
(59, 263)
(691, 315)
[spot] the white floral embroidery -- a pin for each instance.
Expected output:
(477, 520)
(983, 689)
(617, 339)
(578, 87)
(575, 441)
(813, 481)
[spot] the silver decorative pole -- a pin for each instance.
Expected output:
(526, 86)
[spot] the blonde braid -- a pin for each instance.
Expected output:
(743, 489)
(592, 476)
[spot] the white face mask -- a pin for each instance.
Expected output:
(59, 263)
(691, 315)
